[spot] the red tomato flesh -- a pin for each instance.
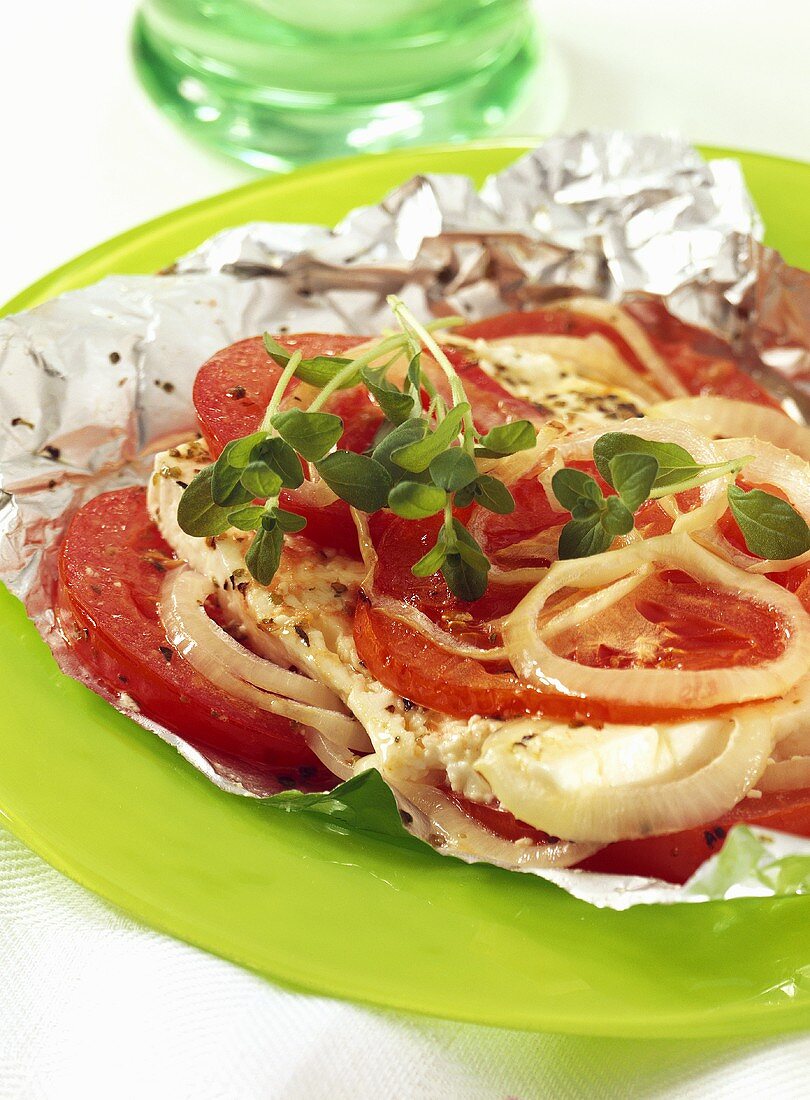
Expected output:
(232, 391)
(112, 564)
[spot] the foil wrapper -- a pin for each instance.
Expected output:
(96, 380)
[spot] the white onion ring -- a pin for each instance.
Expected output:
(630, 331)
(241, 673)
(770, 466)
(579, 447)
(723, 417)
(462, 836)
(690, 773)
(536, 662)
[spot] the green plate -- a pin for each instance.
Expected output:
(360, 915)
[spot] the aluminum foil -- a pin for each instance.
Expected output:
(94, 381)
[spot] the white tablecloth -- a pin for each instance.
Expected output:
(92, 1004)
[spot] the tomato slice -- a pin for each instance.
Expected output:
(232, 391)
(677, 856)
(112, 563)
(674, 857)
(701, 361)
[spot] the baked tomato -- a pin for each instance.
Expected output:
(112, 564)
(674, 857)
(703, 363)
(678, 855)
(232, 391)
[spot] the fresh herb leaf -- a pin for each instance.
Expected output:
(197, 514)
(282, 459)
(453, 469)
(771, 527)
(396, 405)
(239, 452)
(409, 432)
(674, 463)
(633, 476)
(277, 353)
(260, 480)
(289, 522)
(507, 439)
(226, 484)
(413, 500)
(361, 481)
(492, 494)
(570, 486)
(433, 560)
(581, 538)
(313, 435)
(616, 518)
(466, 567)
(247, 518)
(416, 457)
(264, 553)
(322, 369)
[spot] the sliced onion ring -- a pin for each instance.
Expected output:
(661, 688)
(446, 826)
(723, 417)
(630, 331)
(770, 466)
(219, 658)
(621, 782)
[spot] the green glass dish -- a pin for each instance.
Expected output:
(357, 914)
(278, 84)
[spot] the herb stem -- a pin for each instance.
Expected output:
(410, 324)
(278, 392)
(709, 473)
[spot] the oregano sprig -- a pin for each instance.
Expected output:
(422, 463)
(640, 470)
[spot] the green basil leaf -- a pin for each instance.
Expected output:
(453, 469)
(570, 486)
(617, 519)
(433, 560)
(396, 405)
(197, 514)
(260, 480)
(507, 439)
(281, 356)
(771, 527)
(226, 484)
(313, 435)
(289, 522)
(359, 480)
(281, 458)
(492, 494)
(322, 369)
(247, 518)
(581, 538)
(264, 554)
(239, 452)
(674, 463)
(412, 500)
(409, 432)
(416, 457)
(633, 476)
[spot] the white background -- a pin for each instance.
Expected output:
(90, 1004)
(85, 156)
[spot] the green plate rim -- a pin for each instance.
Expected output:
(732, 1019)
